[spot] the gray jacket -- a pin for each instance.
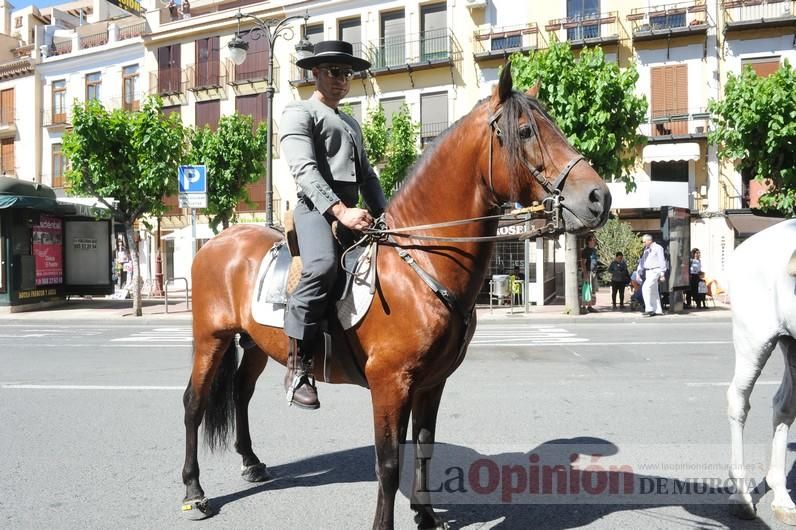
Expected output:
(326, 155)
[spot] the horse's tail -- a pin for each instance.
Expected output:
(219, 420)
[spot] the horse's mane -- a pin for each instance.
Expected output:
(516, 105)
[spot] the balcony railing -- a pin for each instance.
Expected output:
(494, 42)
(118, 102)
(94, 40)
(132, 31)
(693, 123)
(429, 131)
(667, 19)
(254, 69)
(61, 48)
(424, 49)
(741, 14)
(205, 76)
(56, 117)
(598, 28)
(167, 82)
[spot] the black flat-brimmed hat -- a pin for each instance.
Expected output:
(333, 52)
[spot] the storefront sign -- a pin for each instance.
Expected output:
(131, 6)
(48, 249)
(510, 230)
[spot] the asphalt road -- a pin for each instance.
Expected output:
(92, 435)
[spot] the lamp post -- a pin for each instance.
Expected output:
(271, 30)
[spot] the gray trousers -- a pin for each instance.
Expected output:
(319, 251)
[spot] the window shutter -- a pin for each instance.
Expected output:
(433, 115)
(208, 113)
(391, 106)
(763, 67)
(680, 103)
(658, 91)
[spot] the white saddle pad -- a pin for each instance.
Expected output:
(269, 296)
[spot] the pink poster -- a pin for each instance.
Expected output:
(48, 249)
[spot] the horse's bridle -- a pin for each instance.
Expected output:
(552, 201)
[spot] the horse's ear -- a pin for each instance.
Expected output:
(534, 90)
(506, 84)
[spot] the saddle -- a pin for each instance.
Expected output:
(279, 274)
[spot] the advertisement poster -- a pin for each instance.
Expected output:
(48, 250)
(676, 229)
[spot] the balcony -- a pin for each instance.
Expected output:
(669, 20)
(748, 14)
(133, 103)
(500, 42)
(676, 124)
(253, 70)
(301, 77)
(167, 82)
(408, 53)
(601, 28)
(208, 75)
(429, 131)
(56, 118)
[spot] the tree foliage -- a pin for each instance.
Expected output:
(401, 150)
(233, 156)
(618, 236)
(127, 161)
(593, 101)
(374, 132)
(755, 125)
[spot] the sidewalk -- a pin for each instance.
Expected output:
(154, 310)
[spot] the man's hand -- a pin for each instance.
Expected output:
(353, 218)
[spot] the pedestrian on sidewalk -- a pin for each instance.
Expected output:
(588, 266)
(653, 266)
(620, 278)
(694, 269)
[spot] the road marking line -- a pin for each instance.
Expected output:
(727, 383)
(88, 387)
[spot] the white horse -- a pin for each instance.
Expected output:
(763, 316)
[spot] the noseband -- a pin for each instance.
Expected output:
(552, 201)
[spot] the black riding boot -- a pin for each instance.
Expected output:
(299, 381)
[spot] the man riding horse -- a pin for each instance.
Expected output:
(326, 155)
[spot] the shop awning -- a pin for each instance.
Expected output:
(23, 201)
(670, 152)
(747, 224)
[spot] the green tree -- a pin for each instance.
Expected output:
(594, 102)
(233, 157)
(131, 158)
(374, 132)
(617, 236)
(401, 150)
(755, 125)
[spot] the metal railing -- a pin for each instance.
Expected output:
(496, 41)
(748, 12)
(427, 47)
(429, 131)
(599, 27)
(166, 292)
(167, 82)
(53, 117)
(132, 31)
(254, 69)
(61, 48)
(208, 74)
(677, 122)
(681, 16)
(94, 40)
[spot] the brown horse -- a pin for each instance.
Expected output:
(506, 149)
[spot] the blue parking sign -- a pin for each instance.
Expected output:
(192, 179)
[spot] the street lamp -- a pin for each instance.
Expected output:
(271, 29)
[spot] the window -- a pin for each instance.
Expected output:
(314, 34)
(764, 66)
(252, 105)
(169, 69)
(391, 106)
(669, 99)
(506, 42)
(434, 32)
(351, 31)
(173, 109)
(7, 106)
(58, 166)
(93, 86)
(583, 10)
(255, 66)
(356, 109)
(668, 21)
(674, 171)
(433, 116)
(7, 156)
(17, 22)
(393, 45)
(130, 92)
(208, 113)
(59, 101)
(207, 62)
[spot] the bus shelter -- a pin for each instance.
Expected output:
(50, 248)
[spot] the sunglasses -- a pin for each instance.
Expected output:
(338, 72)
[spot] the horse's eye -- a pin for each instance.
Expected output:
(526, 132)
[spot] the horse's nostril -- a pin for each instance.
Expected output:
(596, 196)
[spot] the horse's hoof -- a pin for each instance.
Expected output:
(430, 523)
(197, 509)
(785, 515)
(255, 473)
(743, 510)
